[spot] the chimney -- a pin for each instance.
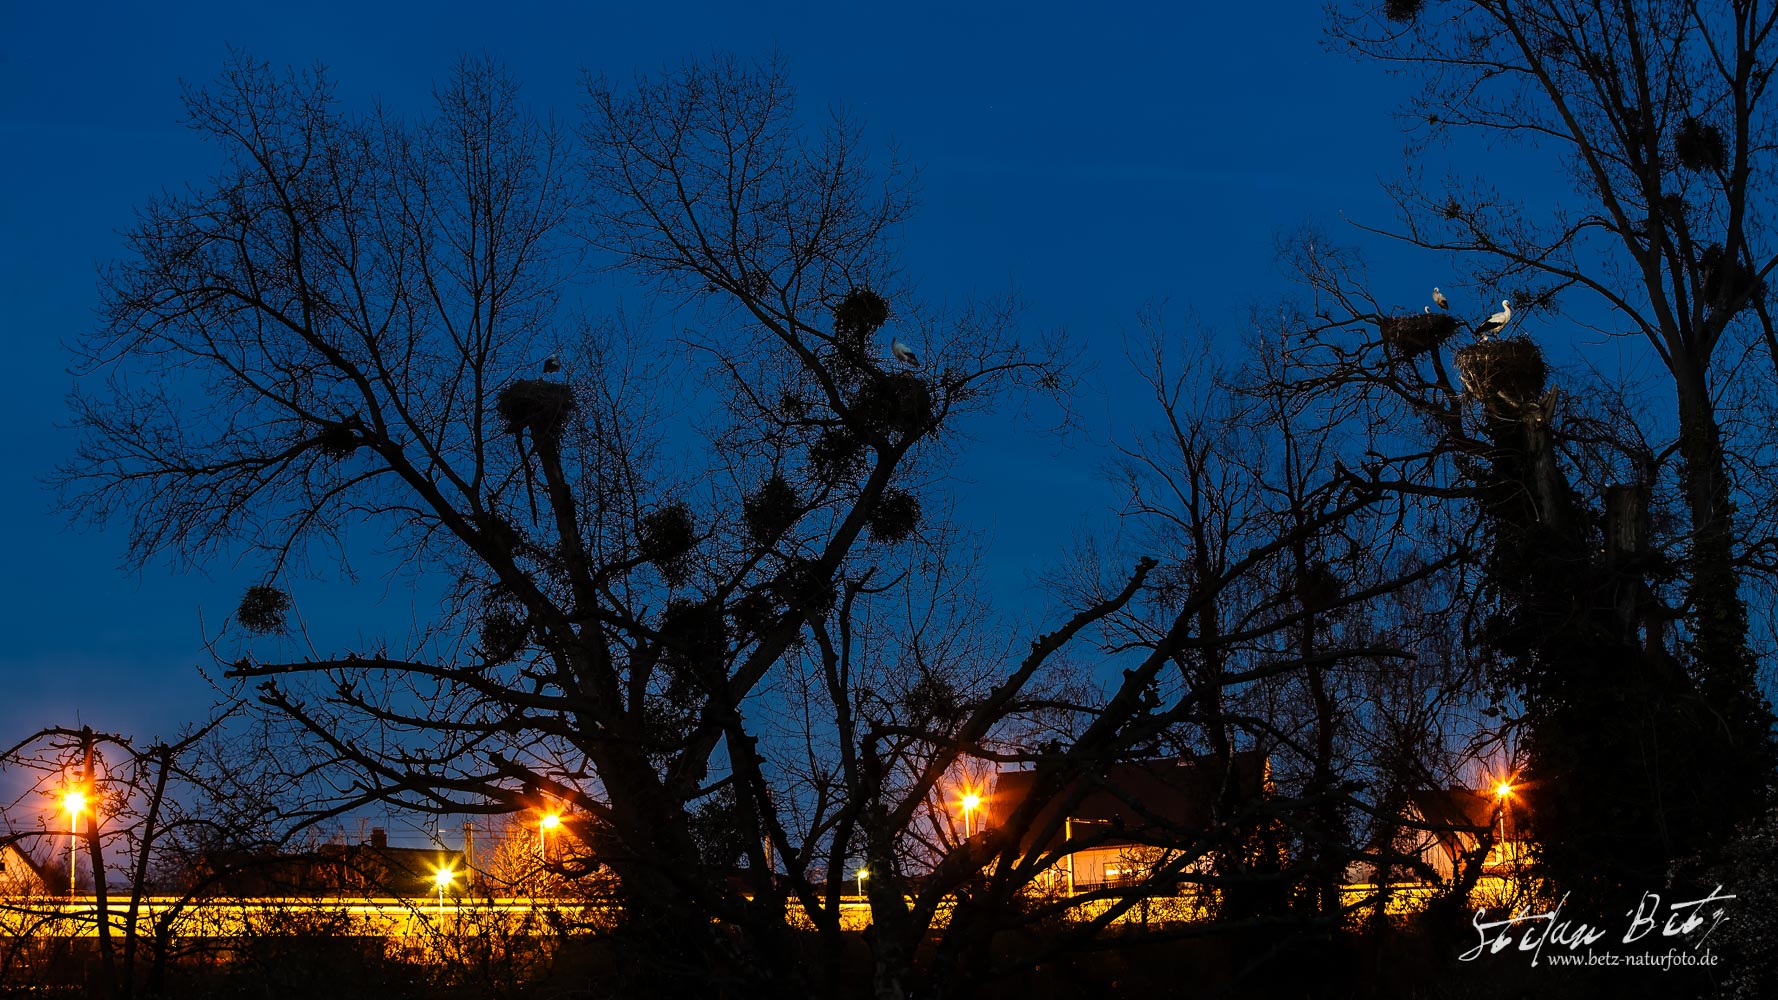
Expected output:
(379, 837)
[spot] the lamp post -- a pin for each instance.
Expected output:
(861, 875)
(1504, 792)
(970, 802)
(549, 822)
(443, 879)
(75, 802)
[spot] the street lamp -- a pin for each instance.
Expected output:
(861, 874)
(549, 822)
(1503, 791)
(443, 878)
(75, 803)
(970, 802)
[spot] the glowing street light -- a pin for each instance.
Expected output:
(861, 874)
(970, 803)
(550, 821)
(443, 879)
(1503, 789)
(75, 803)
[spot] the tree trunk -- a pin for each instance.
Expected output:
(1725, 666)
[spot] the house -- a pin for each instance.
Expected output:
(1131, 814)
(372, 868)
(21, 875)
(1446, 826)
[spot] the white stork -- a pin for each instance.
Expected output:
(1438, 299)
(904, 354)
(1496, 321)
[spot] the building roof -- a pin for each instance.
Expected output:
(1138, 798)
(19, 871)
(335, 869)
(1463, 809)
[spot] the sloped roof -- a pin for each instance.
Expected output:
(12, 854)
(336, 868)
(1152, 797)
(1463, 808)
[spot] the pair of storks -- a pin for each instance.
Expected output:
(1490, 325)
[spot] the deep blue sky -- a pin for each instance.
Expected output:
(1098, 163)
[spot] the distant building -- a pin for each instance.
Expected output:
(1448, 825)
(1130, 811)
(372, 868)
(21, 875)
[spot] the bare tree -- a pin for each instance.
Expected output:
(1658, 113)
(347, 328)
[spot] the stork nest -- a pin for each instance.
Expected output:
(535, 405)
(262, 609)
(1699, 146)
(1727, 281)
(895, 516)
(1318, 587)
(771, 510)
(499, 531)
(668, 535)
(338, 440)
(1408, 337)
(893, 403)
(694, 638)
(859, 314)
(1513, 368)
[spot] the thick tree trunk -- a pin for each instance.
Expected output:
(1719, 620)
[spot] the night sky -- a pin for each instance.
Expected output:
(1097, 166)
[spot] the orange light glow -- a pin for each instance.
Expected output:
(444, 877)
(551, 821)
(1503, 789)
(74, 802)
(971, 801)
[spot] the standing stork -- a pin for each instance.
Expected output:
(904, 354)
(1438, 299)
(1496, 321)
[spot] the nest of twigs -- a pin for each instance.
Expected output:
(1512, 368)
(263, 609)
(771, 510)
(1699, 146)
(1408, 337)
(535, 405)
(668, 535)
(1727, 280)
(499, 531)
(693, 636)
(859, 314)
(338, 440)
(895, 516)
(1318, 587)
(899, 403)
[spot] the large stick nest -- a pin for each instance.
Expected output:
(899, 402)
(1408, 337)
(536, 405)
(1512, 368)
